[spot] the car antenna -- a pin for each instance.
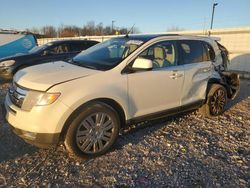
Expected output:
(130, 31)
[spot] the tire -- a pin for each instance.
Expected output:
(215, 103)
(93, 131)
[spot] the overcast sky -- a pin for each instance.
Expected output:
(147, 15)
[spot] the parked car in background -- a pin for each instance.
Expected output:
(62, 50)
(84, 103)
(14, 42)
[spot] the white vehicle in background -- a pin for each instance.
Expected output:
(85, 102)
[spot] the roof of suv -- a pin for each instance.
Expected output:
(147, 37)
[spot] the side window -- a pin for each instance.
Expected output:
(129, 50)
(162, 54)
(75, 47)
(89, 44)
(62, 48)
(192, 51)
(210, 54)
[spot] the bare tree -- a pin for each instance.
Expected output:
(107, 30)
(99, 29)
(69, 31)
(49, 31)
(34, 30)
(88, 29)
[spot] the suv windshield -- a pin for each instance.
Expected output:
(106, 55)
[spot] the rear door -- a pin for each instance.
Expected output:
(197, 67)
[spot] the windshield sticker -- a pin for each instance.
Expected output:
(136, 42)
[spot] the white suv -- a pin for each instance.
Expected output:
(84, 103)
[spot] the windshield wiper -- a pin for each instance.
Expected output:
(88, 66)
(71, 61)
(82, 64)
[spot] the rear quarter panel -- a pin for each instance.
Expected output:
(195, 82)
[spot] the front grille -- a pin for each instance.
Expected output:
(17, 95)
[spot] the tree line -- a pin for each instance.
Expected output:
(89, 29)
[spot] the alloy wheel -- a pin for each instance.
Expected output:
(217, 102)
(94, 133)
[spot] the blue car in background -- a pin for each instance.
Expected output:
(15, 43)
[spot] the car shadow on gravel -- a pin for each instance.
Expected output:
(133, 134)
(12, 146)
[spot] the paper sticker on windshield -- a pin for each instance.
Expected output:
(136, 42)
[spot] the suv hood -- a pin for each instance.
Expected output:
(41, 77)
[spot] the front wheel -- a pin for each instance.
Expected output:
(93, 131)
(216, 101)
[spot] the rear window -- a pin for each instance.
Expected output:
(191, 51)
(210, 54)
(78, 47)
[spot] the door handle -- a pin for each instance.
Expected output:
(175, 75)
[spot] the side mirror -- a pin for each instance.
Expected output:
(142, 64)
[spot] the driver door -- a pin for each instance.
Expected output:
(158, 89)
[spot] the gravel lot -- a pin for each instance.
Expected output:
(182, 151)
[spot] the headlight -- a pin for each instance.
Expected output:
(7, 63)
(47, 98)
(37, 98)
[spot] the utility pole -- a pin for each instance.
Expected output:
(112, 28)
(212, 20)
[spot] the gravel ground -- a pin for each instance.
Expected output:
(181, 151)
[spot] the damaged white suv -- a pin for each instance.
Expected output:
(83, 103)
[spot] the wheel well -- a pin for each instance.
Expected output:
(215, 81)
(115, 105)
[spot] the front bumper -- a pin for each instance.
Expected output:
(41, 140)
(6, 73)
(41, 126)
